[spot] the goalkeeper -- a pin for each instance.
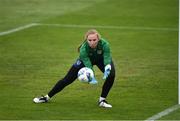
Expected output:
(93, 51)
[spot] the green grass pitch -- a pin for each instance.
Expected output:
(144, 49)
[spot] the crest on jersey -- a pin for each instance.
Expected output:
(99, 51)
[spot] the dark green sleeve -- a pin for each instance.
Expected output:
(84, 57)
(107, 54)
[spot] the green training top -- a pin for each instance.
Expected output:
(91, 56)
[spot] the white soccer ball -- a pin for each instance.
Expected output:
(85, 74)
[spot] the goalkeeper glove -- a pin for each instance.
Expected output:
(93, 81)
(107, 71)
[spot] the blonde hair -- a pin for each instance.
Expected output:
(91, 31)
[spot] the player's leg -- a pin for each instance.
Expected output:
(107, 85)
(61, 84)
(68, 79)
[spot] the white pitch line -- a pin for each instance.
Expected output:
(86, 26)
(109, 27)
(18, 29)
(163, 113)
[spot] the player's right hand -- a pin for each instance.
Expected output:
(93, 81)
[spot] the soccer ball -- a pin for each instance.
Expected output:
(85, 74)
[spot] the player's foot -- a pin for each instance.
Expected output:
(41, 99)
(104, 104)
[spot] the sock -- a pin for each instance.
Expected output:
(47, 96)
(101, 98)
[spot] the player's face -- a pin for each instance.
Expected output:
(92, 40)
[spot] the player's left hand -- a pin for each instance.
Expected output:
(107, 71)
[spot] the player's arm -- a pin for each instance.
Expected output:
(106, 54)
(84, 57)
(86, 60)
(107, 60)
